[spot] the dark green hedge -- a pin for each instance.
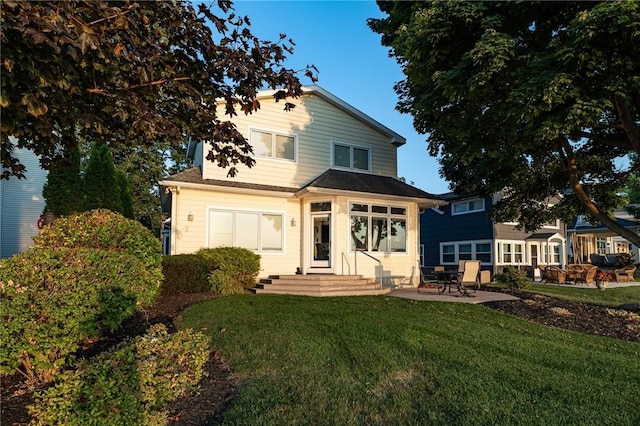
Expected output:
(185, 273)
(53, 299)
(234, 269)
(130, 385)
(103, 229)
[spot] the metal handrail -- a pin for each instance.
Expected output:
(344, 259)
(355, 257)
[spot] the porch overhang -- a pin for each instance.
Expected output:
(358, 185)
(546, 236)
(421, 202)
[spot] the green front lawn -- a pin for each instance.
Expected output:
(383, 360)
(609, 297)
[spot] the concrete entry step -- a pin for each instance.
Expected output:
(319, 285)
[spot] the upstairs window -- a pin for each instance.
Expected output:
(469, 206)
(351, 157)
(273, 145)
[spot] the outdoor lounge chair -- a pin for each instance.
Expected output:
(625, 274)
(553, 274)
(467, 278)
(588, 275)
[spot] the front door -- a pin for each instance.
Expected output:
(321, 238)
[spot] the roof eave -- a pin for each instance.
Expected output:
(394, 138)
(422, 202)
(223, 188)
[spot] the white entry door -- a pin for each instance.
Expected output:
(321, 240)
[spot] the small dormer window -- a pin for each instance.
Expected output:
(468, 206)
(351, 157)
(273, 145)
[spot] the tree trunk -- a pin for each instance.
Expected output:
(574, 181)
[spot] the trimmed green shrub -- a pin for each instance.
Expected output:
(513, 278)
(103, 229)
(129, 385)
(223, 283)
(185, 273)
(53, 299)
(233, 268)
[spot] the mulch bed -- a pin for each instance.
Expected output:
(219, 386)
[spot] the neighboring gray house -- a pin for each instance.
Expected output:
(462, 230)
(21, 204)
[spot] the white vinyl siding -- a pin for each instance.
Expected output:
(315, 124)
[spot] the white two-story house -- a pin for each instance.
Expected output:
(324, 188)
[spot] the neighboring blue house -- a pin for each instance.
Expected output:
(21, 204)
(462, 230)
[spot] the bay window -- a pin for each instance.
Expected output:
(378, 228)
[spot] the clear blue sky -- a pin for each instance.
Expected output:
(353, 65)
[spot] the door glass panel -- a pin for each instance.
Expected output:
(322, 238)
(321, 207)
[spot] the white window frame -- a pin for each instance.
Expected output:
(369, 214)
(351, 148)
(259, 214)
(524, 253)
(474, 251)
(554, 225)
(468, 208)
(275, 133)
(548, 253)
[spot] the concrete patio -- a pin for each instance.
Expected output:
(431, 294)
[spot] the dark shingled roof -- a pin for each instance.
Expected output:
(331, 179)
(544, 236)
(362, 182)
(194, 175)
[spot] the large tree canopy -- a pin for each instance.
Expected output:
(134, 73)
(535, 99)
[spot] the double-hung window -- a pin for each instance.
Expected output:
(512, 253)
(468, 206)
(378, 228)
(351, 157)
(273, 144)
(255, 231)
(452, 252)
